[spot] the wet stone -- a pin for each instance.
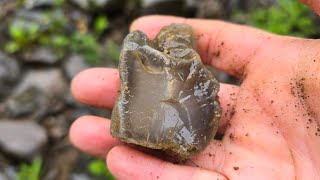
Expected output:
(24, 103)
(22, 139)
(50, 81)
(167, 99)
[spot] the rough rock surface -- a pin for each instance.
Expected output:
(9, 74)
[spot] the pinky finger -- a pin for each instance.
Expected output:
(127, 163)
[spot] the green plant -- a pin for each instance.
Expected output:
(21, 34)
(24, 32)
(30, 171)
(98, 168)
(100, 24)
(87, 45)
(50, 29)
(287, 17)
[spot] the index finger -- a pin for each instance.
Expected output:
(226, 46)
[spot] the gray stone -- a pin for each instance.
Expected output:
(50, 81)
(3, 177)
(211, 9)
(23, 139)
(9, 172)
(87, 4)
(100, 4)
(73, 65)
(29, 4)
(40, 93)
(24, 103)
(79, 176)
(173, 7)
(40, 55)
(44, 19)
(9, 74)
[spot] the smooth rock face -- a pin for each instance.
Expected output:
(23, 139)
(168, 99)
(49, 81)
(41, 55)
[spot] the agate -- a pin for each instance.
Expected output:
(167, 99)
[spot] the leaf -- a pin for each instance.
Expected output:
(98, 168)
(30, 172)
(100, 24)
(12, 47)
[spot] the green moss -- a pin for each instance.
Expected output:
(99, 169)
(50, 30)
(30, 171)
(287, 17)
(100, 24)
(87, 45)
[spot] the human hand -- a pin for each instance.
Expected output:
(270, 122)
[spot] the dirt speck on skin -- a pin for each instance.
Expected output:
(199, 36)
(245, 110)
(232, 112)
(231, 136)
(216, 54)
(236, 168)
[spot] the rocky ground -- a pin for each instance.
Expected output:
(45, 43)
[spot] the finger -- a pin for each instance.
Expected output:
(95, 94)
(96, 86)
(227, 97)
(127, 163)
(314, 4)
(226, 46)
(92, 135)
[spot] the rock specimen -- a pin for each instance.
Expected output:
(167, 99)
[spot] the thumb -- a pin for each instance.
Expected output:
(127, 163)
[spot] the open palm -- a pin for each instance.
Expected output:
(270, 122)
